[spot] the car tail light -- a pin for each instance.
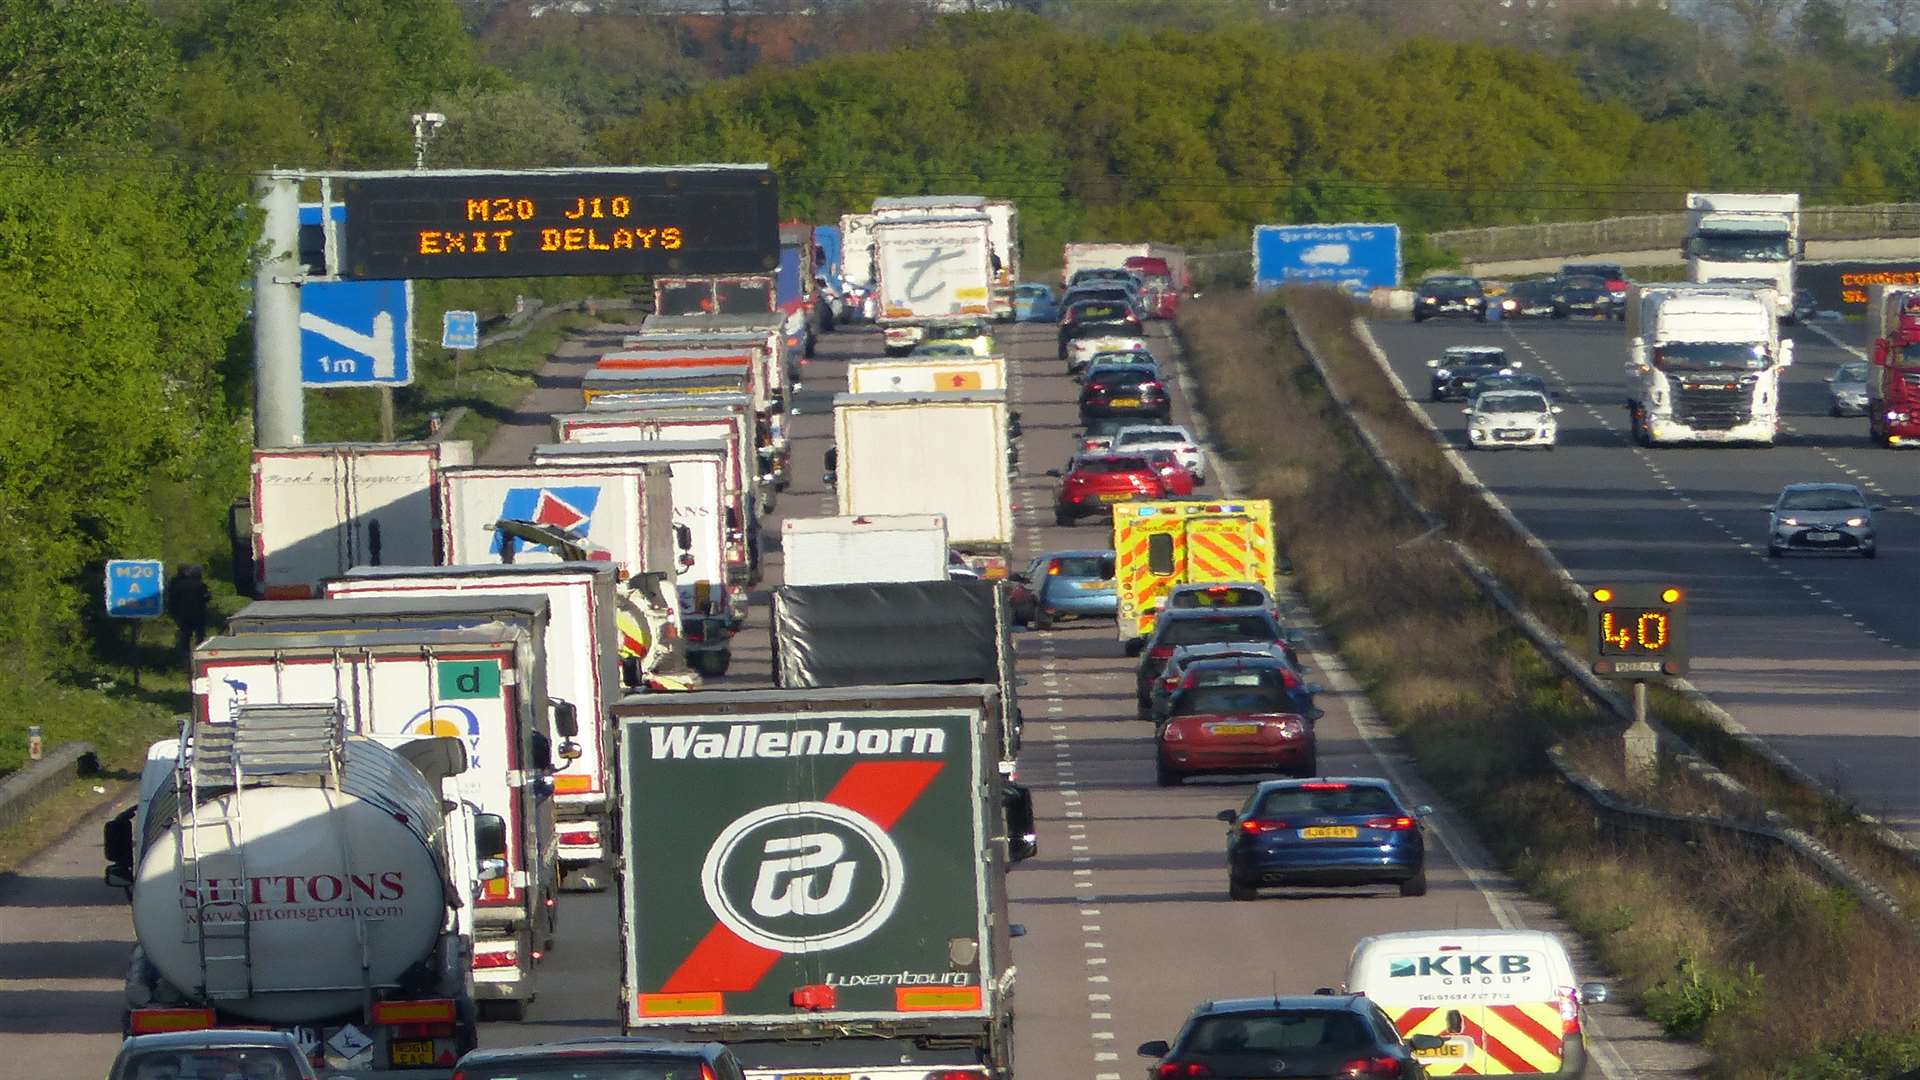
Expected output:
(580, 839)
(1371, 1066)
(1161, 652)
(1053, 568)
(1151, 386)
(953, 1074)
(1393, 824)
(1569, 1009)
(1181, 1070)
(1260, 825)
(706, 1072)
(1324, 785)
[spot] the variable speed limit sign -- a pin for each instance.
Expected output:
(1637, 631)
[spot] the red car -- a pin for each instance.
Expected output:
(1095, 482)
(1177, 478)
(1236, 729)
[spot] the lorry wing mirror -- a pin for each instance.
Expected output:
(683, 537)
(1023, 839)
(489, 836)
(541, 752)
(116, 838)
(1227, 816)
(1154, 1049)
(566, 718)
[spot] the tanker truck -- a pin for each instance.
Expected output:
(285, 874)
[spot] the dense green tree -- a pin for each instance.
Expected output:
(86, 70)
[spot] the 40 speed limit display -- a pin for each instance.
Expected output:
(791, 865)
(1637, 631)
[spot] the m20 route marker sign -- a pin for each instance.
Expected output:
(451, 224)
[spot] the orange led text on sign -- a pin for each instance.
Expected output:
(1649, 631)
(505, 208)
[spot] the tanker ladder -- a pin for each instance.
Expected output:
(260, 741)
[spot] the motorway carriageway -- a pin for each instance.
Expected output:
(1819, 655)
(1126, 910)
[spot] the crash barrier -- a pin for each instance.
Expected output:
(1644, 232)
(1611, 811)
(23, 791)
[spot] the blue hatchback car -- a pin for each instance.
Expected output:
(1034, 302)
(1325, 831)
(1065, 584)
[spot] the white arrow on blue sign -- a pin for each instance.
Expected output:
(459, 330)
(354, 333)
(136, 588)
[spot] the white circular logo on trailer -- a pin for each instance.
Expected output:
(801, 877)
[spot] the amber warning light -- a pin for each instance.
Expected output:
(1637, 631)
(559, 223)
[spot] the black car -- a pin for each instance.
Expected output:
(1134, 390)
(1585, 297)
(1529, 300)
(1459, 367)
(608, 1057)
(1197, 626)
(1321, 1035)
(1449, 297)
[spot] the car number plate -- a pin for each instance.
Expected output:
(1233, 729)
(411, 1051)
(1091, 585)
(1330, 832)
(1126, 401)
(816, 1076)
(1823, 535)
(1449, 1050)
(1116, 496)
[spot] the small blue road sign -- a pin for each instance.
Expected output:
(1357, 257)
(459, 330)
(354, 333)
(136, 588)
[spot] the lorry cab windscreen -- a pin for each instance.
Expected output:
(1711, 356)
(1741, 246)
(1906, 357)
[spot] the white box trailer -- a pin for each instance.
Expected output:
(583, 667)
(712, 609)
(318, 510)
(934, 268)
(482, 685)
(728, 421)
(846, 550)
(931, 453)
(946, 373)
(626, 510)
(1003, 233)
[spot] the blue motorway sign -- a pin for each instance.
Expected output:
(136, 588)
(459, 330)
(1358, 257)
(354, 333)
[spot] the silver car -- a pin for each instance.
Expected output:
(1847, 390)
(1821, 517)
(217, 1054)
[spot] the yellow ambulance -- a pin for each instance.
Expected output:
(1158, 545)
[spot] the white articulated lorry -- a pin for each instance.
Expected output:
(725, 418)
(286, 874)
(317, 510)
(932, 453)
(1003, 233)
(712, 608)
(880, 547)
(1704, 364)
(1745, 240)
(583, 668)
(931, 269)
(480, 684)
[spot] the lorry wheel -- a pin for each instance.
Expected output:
(712, 664)
(1240, 890)
(1415, 885)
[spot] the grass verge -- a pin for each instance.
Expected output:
(1776, 973)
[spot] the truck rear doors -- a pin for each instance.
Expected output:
(1158, 545)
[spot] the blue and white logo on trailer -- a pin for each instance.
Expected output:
(1357, 257)
(354, 333)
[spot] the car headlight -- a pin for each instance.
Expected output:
(1559, 299)
(1856, 522)
(1474, 301)
(1443, 373)
(1789, 521)
(1429, 299)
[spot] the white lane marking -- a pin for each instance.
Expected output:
(1098, 979)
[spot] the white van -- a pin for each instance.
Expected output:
(1505, 1001)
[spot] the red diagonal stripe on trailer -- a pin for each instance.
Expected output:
(1524, 1021)
(880, 790)
(1412, 1018)
(1230, 559)
(1496, 1049)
